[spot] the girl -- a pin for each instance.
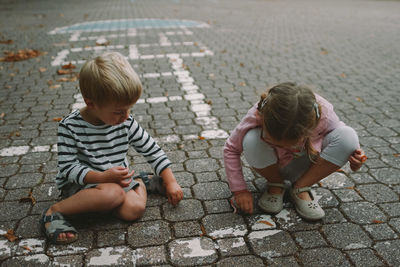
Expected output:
(292, 134)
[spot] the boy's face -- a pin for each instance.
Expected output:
(112, 113)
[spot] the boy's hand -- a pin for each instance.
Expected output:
(244, 200)
(174, 192)
(357, 159)
(119, 175)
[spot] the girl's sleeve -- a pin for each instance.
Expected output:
(69, 166)
(145, 145)
(233, 149)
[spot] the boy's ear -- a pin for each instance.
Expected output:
(89, 102)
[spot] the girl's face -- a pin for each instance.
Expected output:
(289, 144)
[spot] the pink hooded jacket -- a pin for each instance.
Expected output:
(234, 148)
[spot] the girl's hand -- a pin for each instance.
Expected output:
(119, 175)
(357, 159)
(244, 200)
(174, 193)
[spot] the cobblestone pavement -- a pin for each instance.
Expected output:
(203, 64)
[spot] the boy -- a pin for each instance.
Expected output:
(93, 142)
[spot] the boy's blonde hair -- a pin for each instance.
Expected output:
(109, 78)
(290, 112)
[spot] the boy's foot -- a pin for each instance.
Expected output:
(272, 199)
(154, 183)
(56, 228)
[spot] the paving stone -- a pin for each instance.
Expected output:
(206, 177)
(31, 260)
(232, 246)
(388, 250)
(13, 210)
(241, 261)
(362, 212)
(395, 223)
(82, 245)
(380, 231)
(211, 190)
(192, 251)
(325, 198)
(362, 178)
(261, 222)
(111, 238)
(323, 257)
(45, 192)
(386, 175)
(282, 261)
(73, 260)
(224, 225)
(289, 220)
(392, 209)
(151, 214)
(111, 256)
(218, 206)
(184, 179)
(23, 180)
(188, 209)
(346, 236)
(336, 180)
(199, 165)
(148, 233)
(9, 170)
(364, 257)
(333, 216)
(310, 239)
(25, 228)
(17, 194)
(150, 256)
(377, 193)
(272, 243)
(186, 229)
(347, 195)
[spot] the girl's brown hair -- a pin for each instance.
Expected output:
(289, 112)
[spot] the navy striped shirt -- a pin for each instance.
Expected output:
(83, 147)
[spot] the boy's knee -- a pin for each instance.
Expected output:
(134, 211)
(113, 194)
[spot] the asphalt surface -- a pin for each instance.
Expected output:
(203, 64)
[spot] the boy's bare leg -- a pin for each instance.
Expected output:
(271, 173)
(104, 197)
(134, 203)
(318, 170)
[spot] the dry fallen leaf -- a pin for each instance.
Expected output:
(242, 84)
(64, 71)
(57, 119)
(67, 79)
(350, 187)
(42, 69)
(266, 222)
(201, 137)
(223, 51)
(203, 230)
(394, 155)
(10, 235)
(209, 102)
(320, 184)
(27, 248)
(340, 170)
(20, 55)
(241, 65)
(359, 99)
(102, 42)
(29, 198)
(324, 51)
(6, 41)
(202, 50)
(2, 115)
(68, 66)
(343, 75)
(181, 146)
(55, 86)
(377, 221)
